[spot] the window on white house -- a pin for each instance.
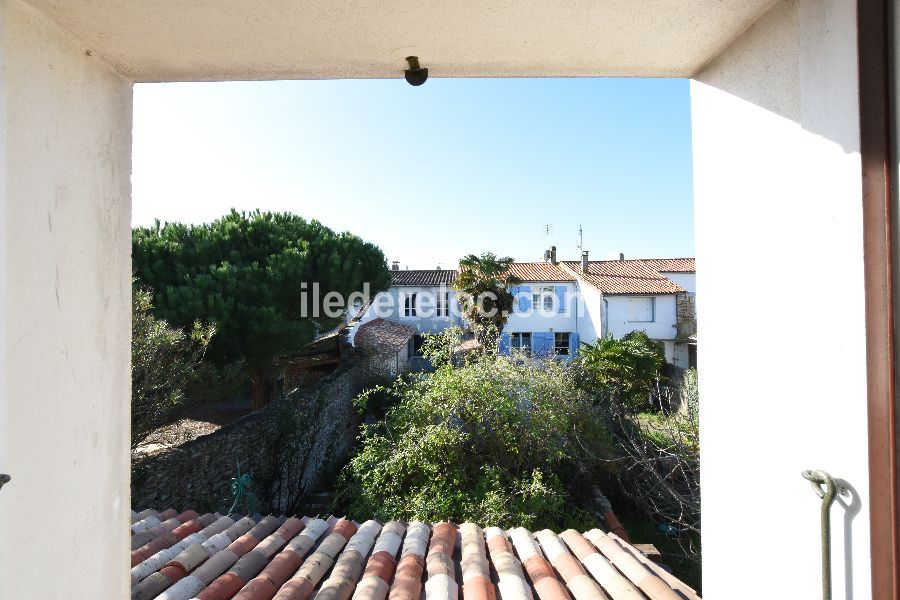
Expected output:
(521, 341)
(641, 309)
(561, 343)
(409, 306)
(443, 305)
(543, 298)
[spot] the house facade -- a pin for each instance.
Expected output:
(559, 304)
(656, 296)
(421, 299)
(544, 321)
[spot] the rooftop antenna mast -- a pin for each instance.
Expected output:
(580, 244)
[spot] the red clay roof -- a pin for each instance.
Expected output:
(423, 277)
(539, 271)
(641, 276)
(335, 559)
(383, 335)
(672, 265)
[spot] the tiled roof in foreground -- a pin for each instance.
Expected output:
(211, 557)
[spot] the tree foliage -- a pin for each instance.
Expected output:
(660, 465)
(497, 441)
(252, 275)
(625, 369)
(441, 347)
(483, 293)
(164, 361)
(657, 452)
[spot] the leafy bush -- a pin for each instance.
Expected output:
(439, 348)
(164, 361)
(623, 370)
(494, 442)
(660, 466)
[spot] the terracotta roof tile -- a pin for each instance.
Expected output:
(672, 265)
(424, 277)
(383, 335)
(641, 276)
(408, 579)
(336, 559)
(539, 271)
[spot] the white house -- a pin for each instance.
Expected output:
(560, 304)
(656, 296)
(546, 311)
(422, 299)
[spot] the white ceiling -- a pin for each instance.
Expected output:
(168, 40)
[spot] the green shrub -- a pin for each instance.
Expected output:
(493, 442)
(165, 361)
(439, 348)
(623, 370)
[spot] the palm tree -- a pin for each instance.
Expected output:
(484, 297)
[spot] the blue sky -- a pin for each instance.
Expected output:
(429, 173)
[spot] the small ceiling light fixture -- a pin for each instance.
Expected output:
(415, 75)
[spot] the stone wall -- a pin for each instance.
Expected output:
(287, 449)
(686, 315)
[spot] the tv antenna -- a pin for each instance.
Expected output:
(580, 244)
(548, 230)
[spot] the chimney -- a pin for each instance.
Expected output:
(584, 261)
(621, 256)
(395, 265)
(552, 255)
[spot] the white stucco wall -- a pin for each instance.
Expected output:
(65, 246)
(590, 325)
(394, 297)
(661, 328)
(535, 320)
(682, 357)
(688, 281)
(777, 193)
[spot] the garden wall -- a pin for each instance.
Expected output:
(287, 448)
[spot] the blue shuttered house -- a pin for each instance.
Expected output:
(558, 305)
(545, 318)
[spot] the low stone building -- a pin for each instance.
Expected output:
(390, 343)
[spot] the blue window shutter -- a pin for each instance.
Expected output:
(514, 290)
(542, 342)
(524, 298)
(504, 344)
(573, 344)
(560, 299)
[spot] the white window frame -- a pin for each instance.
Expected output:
(540, 295)
(520, 345)
(409, 305)
(562, 350)
(442, 304)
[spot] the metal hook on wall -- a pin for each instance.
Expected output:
(824, 486)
